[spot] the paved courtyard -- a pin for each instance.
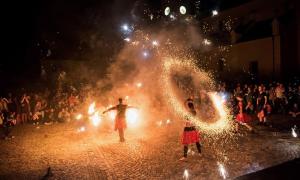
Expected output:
(148, 153)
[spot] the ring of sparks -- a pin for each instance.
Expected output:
(169, 66)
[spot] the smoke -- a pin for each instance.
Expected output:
(139, 78)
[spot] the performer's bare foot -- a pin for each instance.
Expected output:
(183, 159)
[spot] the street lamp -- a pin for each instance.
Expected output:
(182, 10)
(167, 11)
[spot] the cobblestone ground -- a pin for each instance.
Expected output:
(151, 153)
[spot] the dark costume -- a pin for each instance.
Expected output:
(8, 122)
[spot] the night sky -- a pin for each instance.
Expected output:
(66, 28)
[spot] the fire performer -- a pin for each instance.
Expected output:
(190, 134)
(120, 120)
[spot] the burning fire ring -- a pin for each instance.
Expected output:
(169, 65)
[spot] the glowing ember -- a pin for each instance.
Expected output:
(168, 121)
(214, 12)
(191, 152)
(294, 134)
(139, 85)
(171, 66)
(81, 129)
(206, 42)
(125, 27)
(132, 116)
(172, 17)
(78, 117)
(91, 109)
(127, 39)
(222, 170)
(186, 174)
(154, 43)
(96, 119)
(145, 54)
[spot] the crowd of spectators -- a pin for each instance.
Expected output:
(44, 107)
(60, 105)
(272, 98)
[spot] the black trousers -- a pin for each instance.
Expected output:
(6, 130)
(186, 148)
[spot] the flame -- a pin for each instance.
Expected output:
(96, 119)
(168, 121)
(294, 134)
(186, 174)
(81, 129)
(139, 85)
(112, 115)
(79, 116)
(222, 170)
(132, 116)
(91, 109)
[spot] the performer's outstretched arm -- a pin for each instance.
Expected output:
(110, 109)
(132, 107)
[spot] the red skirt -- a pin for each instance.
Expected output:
(120, 123)
(190, 137)
(243, 118)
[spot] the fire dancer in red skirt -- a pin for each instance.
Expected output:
(190, 134)
(242, 117)
(120, 120)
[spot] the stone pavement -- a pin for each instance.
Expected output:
(148, 153)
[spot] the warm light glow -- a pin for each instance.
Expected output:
(154, 43)
(145, 54)
(127, 39)
(96, 119)
(112, 115)
(222, 170)
(139, 85)
(132, 116)
(78, 117)
(170, 66)
(81, 129)
(185, 174)
(206, 42)
(91, 109)
(168, 121)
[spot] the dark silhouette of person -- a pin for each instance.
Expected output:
(120, 120)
